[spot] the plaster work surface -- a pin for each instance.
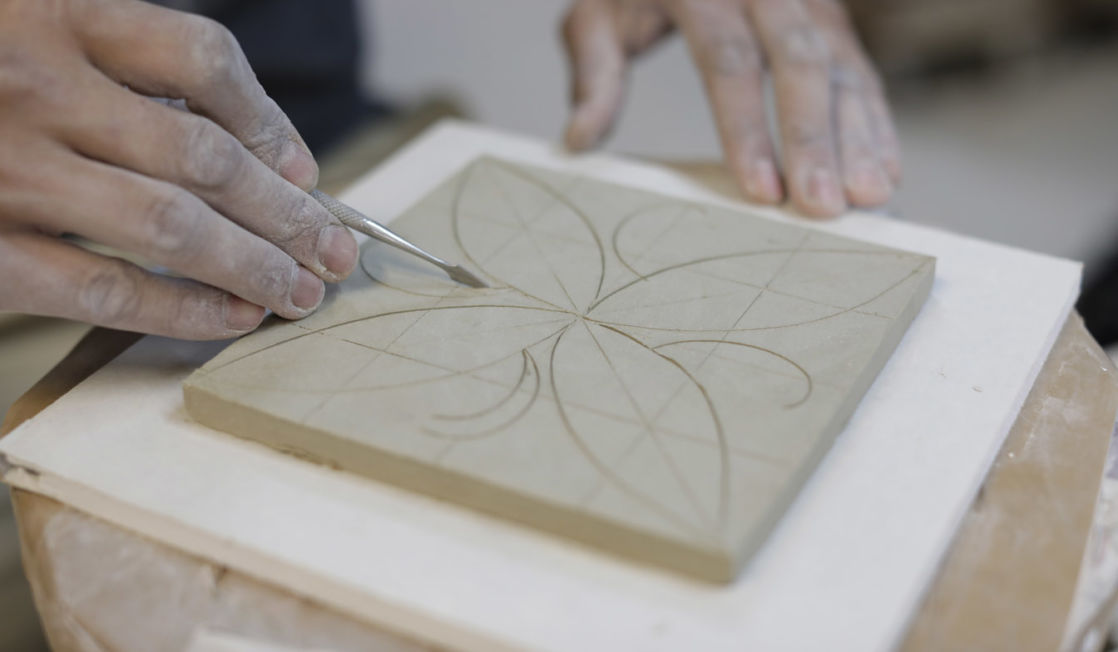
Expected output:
(646, 375)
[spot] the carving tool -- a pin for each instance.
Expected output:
(357, 221)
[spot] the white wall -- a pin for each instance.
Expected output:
(1028, 159)
(503, 60)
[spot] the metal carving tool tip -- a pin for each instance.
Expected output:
(356, 220)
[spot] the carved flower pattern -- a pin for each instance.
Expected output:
(623, 351)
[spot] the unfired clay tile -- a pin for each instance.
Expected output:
(649, 376)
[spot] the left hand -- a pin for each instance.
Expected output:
(839, 144)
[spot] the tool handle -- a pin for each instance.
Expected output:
(356, 220)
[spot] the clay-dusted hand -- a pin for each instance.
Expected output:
(214, 193)
(839, 143)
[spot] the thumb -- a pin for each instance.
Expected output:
(597, 61)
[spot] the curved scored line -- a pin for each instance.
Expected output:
(616, 235)
(456, 202)
(803, 372)
(616, 248)
(735, 255)
(528, 234)
(316, 331)
(455, 217)
(498, 428)
(557, 196)
(606, 472)
(838, 313)
(450, 373)
(650, 429)
(496, 406)
(723, 445)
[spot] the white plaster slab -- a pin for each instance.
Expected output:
(843, 569)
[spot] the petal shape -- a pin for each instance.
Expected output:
(770, 281)
(605, 381)
(528, 235)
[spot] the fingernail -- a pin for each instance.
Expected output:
(583, 131)
(763, 183)
(870, 183)
(893, 167)
(308, 290)
(574, 139)
(298, 166)
(240, 315)
(337, 250)
(823, 191)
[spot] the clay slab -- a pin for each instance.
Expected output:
(647, 375)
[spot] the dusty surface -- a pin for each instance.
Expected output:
(1009, 580)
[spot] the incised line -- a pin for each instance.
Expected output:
(723, 446)
(619, 483)
(496, 406)
(574, 209)
(803, 372)
(650, 431)
(530, 236)
(504, 425)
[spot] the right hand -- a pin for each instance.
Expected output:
(216, 193)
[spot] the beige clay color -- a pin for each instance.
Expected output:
(648, 376)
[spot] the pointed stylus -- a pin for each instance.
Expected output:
(355, 220)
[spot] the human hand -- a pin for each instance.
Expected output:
(839, 144)
(215, 193)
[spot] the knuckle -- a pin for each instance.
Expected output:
(855, 77)
(871, 81)
(273, 278)
(214, 52)
(835, 14)
(847, 78)
(730, 56)
(271, 138)
(197, 314)
(111, 295)
(808, 135)
(801, 46)
(300, 224)
(172, 228)
(568, 28)
(25, 80)
(573, 21)
(212, 158)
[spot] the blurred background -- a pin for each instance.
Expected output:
(1007, 112)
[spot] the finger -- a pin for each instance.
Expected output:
(856, 70)
(885, 134)
(640, 25)
(167, 53)
(864, 178)
(190, 151)
(800, 65)
(171, 227)
(73, 283)
(730, 63)
(597, 61)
